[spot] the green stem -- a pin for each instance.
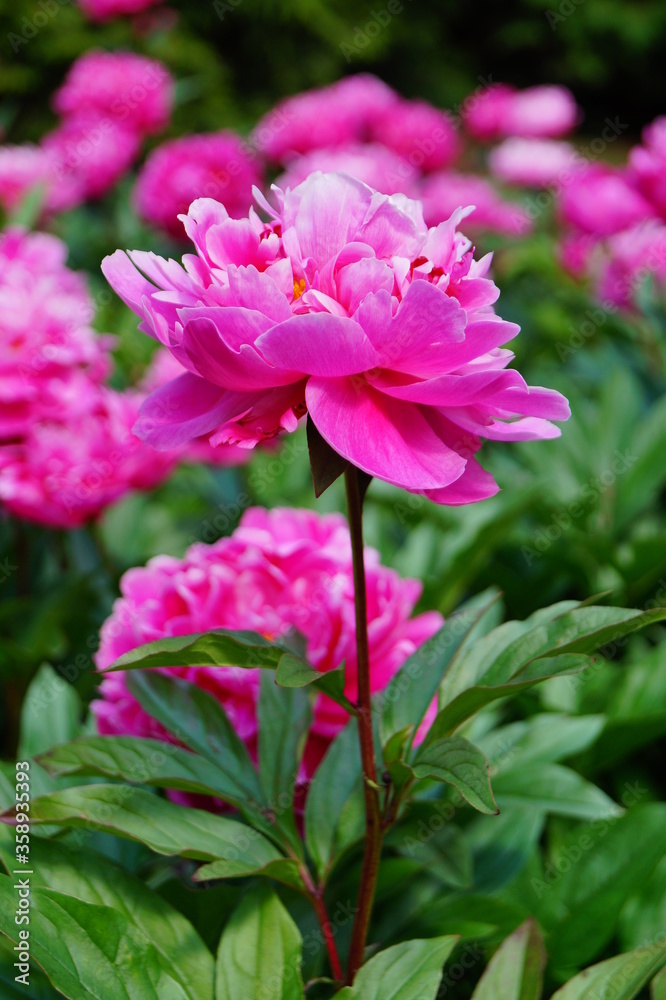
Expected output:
(373, 820)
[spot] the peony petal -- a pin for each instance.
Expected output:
(241, 370)
(384, 437)
(475, 484)
(126, 281)
(186, 408)
(319, 344)
(451, 390)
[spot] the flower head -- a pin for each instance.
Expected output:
(501, 110)
(344, 305)
(443, 192)
(280, 570)
(532, 162)
(121, 86)
(601, 200)
(217, 166)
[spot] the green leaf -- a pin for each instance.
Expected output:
(285, 870)
(88, 951)
(658, 987)
(199, 721)
(554, 789)
(546, 739)
(260, 952)
(337, 786)
(459, 763)
(619, 978)
(325, 463)
(407, 971)
(284, 721)
(162, 826)
(141, 761)
(92, 878)
(515, 971)
(594, 873)
(409, 693)
(475, 698)
(501, 845)
(50, 713)
(293, 673)
(217, 648)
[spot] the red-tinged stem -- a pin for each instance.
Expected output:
(316, 896)
(373, 820)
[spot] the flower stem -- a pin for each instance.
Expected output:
(316, 896)
(373, 821)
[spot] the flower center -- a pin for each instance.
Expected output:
(299, 288)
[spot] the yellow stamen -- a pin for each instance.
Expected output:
(299, 288)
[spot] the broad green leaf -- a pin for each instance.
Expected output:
(284, 721)
(90, 952)
(337, 784)
(459, 763)
(475, 698)
(259, 956)
(444, 852)
(405, 699)
(283, 870)
(217, 648)
(141, 761)
(554, 789)
(471, 664)
(619, 978)
(471, 915)
(162, 826)
(658, 986)
(407, 971)
(593, 874)
(292, 673)
(515, 972)
(501, 845)
(50, 713)
(546, 739)
(92, 878)
(199, 721)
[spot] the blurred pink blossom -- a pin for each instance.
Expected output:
(532, 162)
(105, 10)
(601, 200)
(442, 193)
(86, 156)
(218, 165)
(647, 165)
(21, 169)
(338, 115)
(375, 165)
(280, 570)
(129, 89)
(501, 110)
(425, 136)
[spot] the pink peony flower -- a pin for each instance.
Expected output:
(576, 251)
(280, 570)
(22, 168)
(533, 162)
(647, 166)
(419, 132)
(87, 155)
(338, 115)
(501, 110)
(601, 200)
(347, 306)
(129, 89)
(78, 455)
(45, 331)
(218, 166)
(105, 10)
(442, 193)
(378, 167)
(629, 260)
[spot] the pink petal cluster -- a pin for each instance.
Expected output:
(647, 166)
(219, 166)
(532, 162)
(122, 86)
(378, 167)
(109, 102)
(105, 10)
(425, 136)
(344, 305)
(337, 115)
(628, 261)
(280, 570)
(66, 444)
(601, 200)
(501, 110)
(442, 193)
